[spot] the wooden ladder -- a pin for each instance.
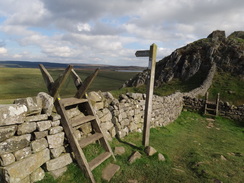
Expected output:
(80, 102)
(211, 108)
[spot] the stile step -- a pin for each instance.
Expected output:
(79, 121)
(86, 141)
(72, 101)
(98, 160)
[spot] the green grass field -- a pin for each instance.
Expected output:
(196, 150)
(22, 82)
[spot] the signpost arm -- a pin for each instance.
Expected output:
(149, 94)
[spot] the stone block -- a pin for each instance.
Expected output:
(22, 153)
(58, 173)
(56, 152)
(15, 143)
(56, 140)
(7, 132)
(12, 114)
(39, 135)
(94, 96)
(59, 162)
(43, 125)
(21, 169)
(73, 112)
(112, 132)
(55, 117)
(106, 126)
(55, 123)
(149, 150)
(119, 150)
(40, 117)
(34, 106)
(6, 159)
(161, 157)
(98, 105)
(39, 144)
(37, 175)
(25, 128)
(47, 103)
(56, 129)
(109, 171)
(136, 155)
(106, 117)
(86, 128)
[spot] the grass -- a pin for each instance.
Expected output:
(23, 82)
(195, 151)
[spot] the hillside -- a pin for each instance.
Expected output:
(196, 59)
(27, 64)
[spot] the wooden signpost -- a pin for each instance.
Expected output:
(150, 85)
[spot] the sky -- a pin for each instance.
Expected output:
(109, 31)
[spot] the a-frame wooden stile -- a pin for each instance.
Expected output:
(70, 125)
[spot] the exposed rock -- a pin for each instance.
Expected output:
(149, 150)
(15, 143)
(197, 57)
(119, 150)
(86, 128)
(59, 162)
(19, 170)
(136, 155)
(55, 123)
(55, 117)
(7, 132)
(12, 114)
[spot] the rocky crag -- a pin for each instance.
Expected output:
(198, 57)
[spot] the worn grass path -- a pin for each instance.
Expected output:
(196, 150)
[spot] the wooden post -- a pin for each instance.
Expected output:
(217, 105)
(149, 94)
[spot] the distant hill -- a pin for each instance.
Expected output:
(27, 64)
(197, 58)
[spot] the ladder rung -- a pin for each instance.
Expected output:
(209, 109)
(86, 141)
(211, 102)
(72, 101)
(98, 160)
(207, 114)
(79, 121)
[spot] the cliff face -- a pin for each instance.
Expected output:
(185, 62)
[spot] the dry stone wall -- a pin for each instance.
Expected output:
(225, 109)
(31, 140)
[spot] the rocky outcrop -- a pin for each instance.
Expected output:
(198, 57)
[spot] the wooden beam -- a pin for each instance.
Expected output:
(47, 77)
(149, 95)
(77, 81)
(87, 82)
(59, 82)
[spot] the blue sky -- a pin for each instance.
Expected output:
(109, 32)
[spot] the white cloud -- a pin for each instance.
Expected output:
(3, 50)
(109, 32)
